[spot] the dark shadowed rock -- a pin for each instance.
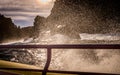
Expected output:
(7, 29)
(39, 25)
(27, 32)
(10, 32)
(84, 16)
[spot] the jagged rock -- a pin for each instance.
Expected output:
(39, 25)
(10, 32)
(27, 32)
(7, 29)
(84, 16)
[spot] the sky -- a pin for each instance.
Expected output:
(23, 12)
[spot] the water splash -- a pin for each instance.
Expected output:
(105, 61)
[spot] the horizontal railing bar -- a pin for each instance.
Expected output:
(67, 46)
(55, 71)
(80, 73)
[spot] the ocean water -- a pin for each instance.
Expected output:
(88, 60)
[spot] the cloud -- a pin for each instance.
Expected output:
(33, 5)
(24, 11)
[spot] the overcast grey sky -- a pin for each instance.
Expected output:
(24, 11)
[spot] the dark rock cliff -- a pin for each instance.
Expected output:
(85, 16)
(7, 29)
(10, 32)
(39, 25)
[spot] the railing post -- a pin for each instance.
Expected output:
(49, 55)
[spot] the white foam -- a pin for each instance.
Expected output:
(13, 42)
(86, 36)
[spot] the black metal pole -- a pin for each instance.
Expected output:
(49, 55)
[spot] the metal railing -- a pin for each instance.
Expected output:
(49, 54)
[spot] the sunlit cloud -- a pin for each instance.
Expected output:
(45, 2)
(25, 10)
